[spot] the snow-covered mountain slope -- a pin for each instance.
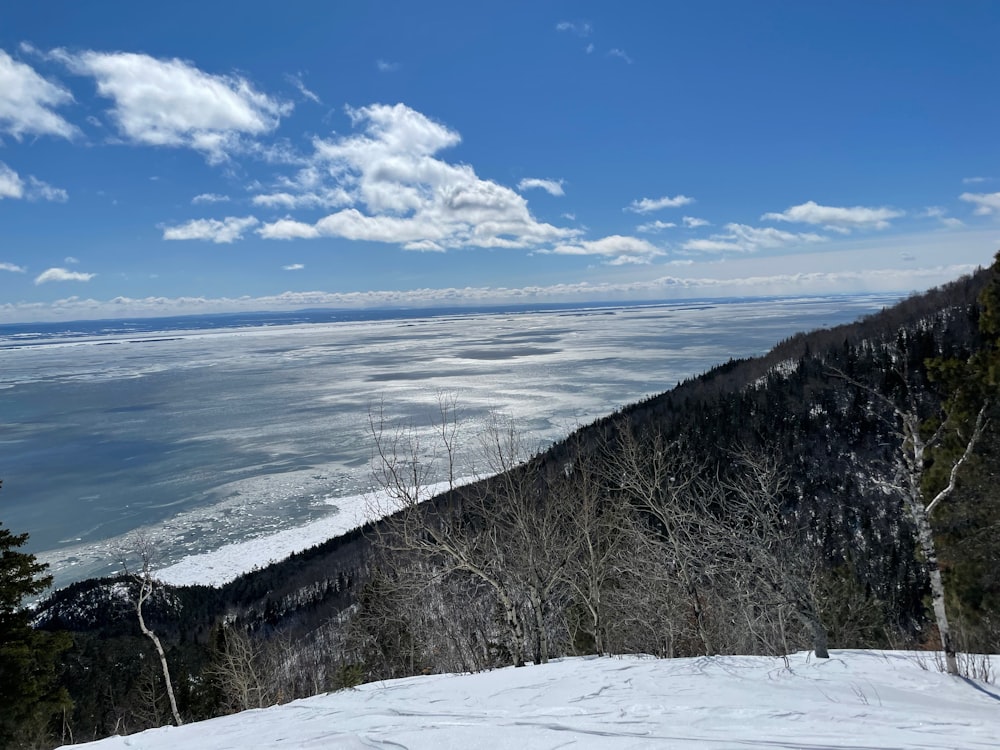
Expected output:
(856, 699)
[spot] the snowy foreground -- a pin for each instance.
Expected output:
(857, 699)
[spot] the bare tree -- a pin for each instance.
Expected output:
(457, 537)
(768, 554)
(244, 672)
(664, 482)
(600, 527)
(527, 523)
(143, 547)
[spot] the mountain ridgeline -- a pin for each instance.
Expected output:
(761, 507)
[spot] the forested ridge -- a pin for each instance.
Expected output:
(762, 507)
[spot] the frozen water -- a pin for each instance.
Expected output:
(208, 433)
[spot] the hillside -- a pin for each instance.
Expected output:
(855, 699)
(644, 532)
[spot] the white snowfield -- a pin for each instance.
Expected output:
(856, 699)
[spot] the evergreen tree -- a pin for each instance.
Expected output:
(29, 691)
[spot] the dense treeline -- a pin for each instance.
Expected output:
(758, 508)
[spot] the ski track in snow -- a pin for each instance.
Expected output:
(863, 700)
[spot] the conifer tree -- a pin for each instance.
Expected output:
(29, 691)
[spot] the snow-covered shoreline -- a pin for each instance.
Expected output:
(219, 566)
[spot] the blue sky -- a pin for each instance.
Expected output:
(199, 157)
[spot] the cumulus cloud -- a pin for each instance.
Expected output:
(288, 229)
(655, 226)
(741, 238)
(172, 103)
(693, 222)
(210, 198)
(396, 190)
(27, 102)
(14, 187)
(974, 180)
(226, 231)
(307, 188)
(837, 218)
(293, 267)
(985, 203)
(384, 66)
(620, 249)
(12, 268)
(62, 274)
(552, 187)
(648, 205)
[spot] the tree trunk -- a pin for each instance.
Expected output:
(541, 640)
(926, 538)
(515, 629)
(819, 635)
(163, 660)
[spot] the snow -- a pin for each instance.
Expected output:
(856, 699)
(227, 563)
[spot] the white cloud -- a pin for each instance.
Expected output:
(296, 81)
(655, 226)
(552, 187)
(210, 198)
(12, 268)
(985, 203)
(693, 222)
(881, 279)
(620, 54)
(975, 180)
(70, 260)
(12, 186)
(384, 66)
(61, 274)
(308, 188)
(322, 199)
(398, 192)
(580, 28)
(288, 229)
(939, 213)
(621, 249)
(226, 231)
(38, 190)
(742, 238)
(589, 48)
(173, 103)
(27, 101)
(648, 205)
(837, 218)
(293, 267)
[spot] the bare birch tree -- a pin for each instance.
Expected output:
(142, 546)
